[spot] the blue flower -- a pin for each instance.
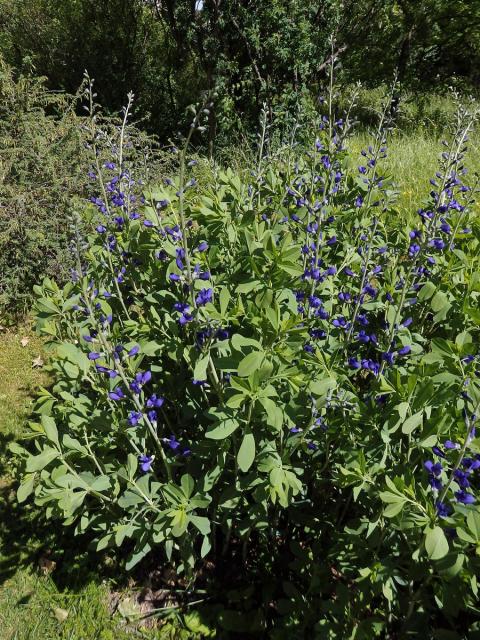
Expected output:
(404, 350)
(205, 296)
(443, 510)
(388, 357)
(133, 418)
(116, 394)
(371, 291)
(437, 243)
(434, 468)
(155, 401)
(94, 355)
(464, 497)
(172, 442)
(413, 250)
(354, 363)
(461, 478)
(143, 377)
(448, 444)
(134, 350)
(340, 322)
(145, 463)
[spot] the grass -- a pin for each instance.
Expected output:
(412, 160)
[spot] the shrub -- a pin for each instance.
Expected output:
(277, 363)
(40, 171)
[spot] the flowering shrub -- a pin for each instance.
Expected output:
(276, 360)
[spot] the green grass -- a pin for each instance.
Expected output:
(412, 160)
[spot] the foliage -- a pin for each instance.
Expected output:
(40, 161)
(277, 364)
(168, 51)
(43, 167)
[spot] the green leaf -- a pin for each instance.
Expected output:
(250, 363)
(274, 413)
(223, 429)
(224, 298)
(436, 544)
(322, 387)
(393, 509)
(149, 348)
(50, 429)
(391, 498)
(206, 546)
(236, 401)
(73, 444)
(238, 342)
(26, 488)
(200, 371)
(179, 522)
(132, 465)
(473, 523)
(37, 463)
(188, 484)
(202, 524)
(137, 554)
(427, 291)
(246, 453)
(412, 422)
(463, 535)
(439, 302)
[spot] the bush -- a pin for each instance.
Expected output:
(41, 160)
(277, 364)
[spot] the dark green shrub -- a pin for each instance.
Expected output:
(42, 164)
